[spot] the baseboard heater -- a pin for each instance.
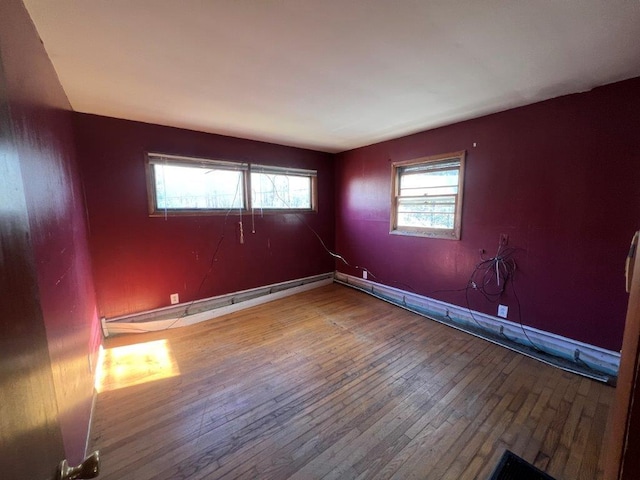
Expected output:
(195, 312)
(570, 355)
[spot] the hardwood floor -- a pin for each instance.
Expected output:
(335, 384)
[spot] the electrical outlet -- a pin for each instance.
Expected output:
(365, 274)
(504, 239)
(175, 298)
(503, 310)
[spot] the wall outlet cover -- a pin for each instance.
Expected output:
(175, 298)
(503, 310)
(364, 274)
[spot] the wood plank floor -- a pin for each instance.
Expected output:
(335, 384)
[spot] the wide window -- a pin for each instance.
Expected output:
(193, 186)
(427, 196)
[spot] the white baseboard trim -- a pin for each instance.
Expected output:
(598, 359)
(206, 309)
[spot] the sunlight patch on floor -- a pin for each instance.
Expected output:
(129, 365)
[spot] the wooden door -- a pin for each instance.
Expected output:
(623, 460)
(30, 438)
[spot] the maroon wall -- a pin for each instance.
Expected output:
(139, 261)
(560, 177)
(42, 135)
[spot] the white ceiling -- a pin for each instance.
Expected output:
(330, 75)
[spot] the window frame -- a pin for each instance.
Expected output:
(294, 172)
(152, 158)
(397, 169)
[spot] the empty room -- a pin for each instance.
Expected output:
(304, 239)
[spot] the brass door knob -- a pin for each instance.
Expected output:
(89, 468)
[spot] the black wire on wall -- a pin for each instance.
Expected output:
(491, 277)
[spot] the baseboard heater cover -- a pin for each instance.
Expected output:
(591, 361)
(206, 309)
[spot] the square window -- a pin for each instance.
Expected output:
(427, 196)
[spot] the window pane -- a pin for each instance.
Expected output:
(441, 182)
(180, 187)
(427, 212)
(270, 190)
(427, 204)
(426, 220)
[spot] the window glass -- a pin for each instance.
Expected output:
(188, 188)
(270, 190)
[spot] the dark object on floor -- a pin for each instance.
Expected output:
(512, 467)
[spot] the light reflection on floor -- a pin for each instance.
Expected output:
(130, 365)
